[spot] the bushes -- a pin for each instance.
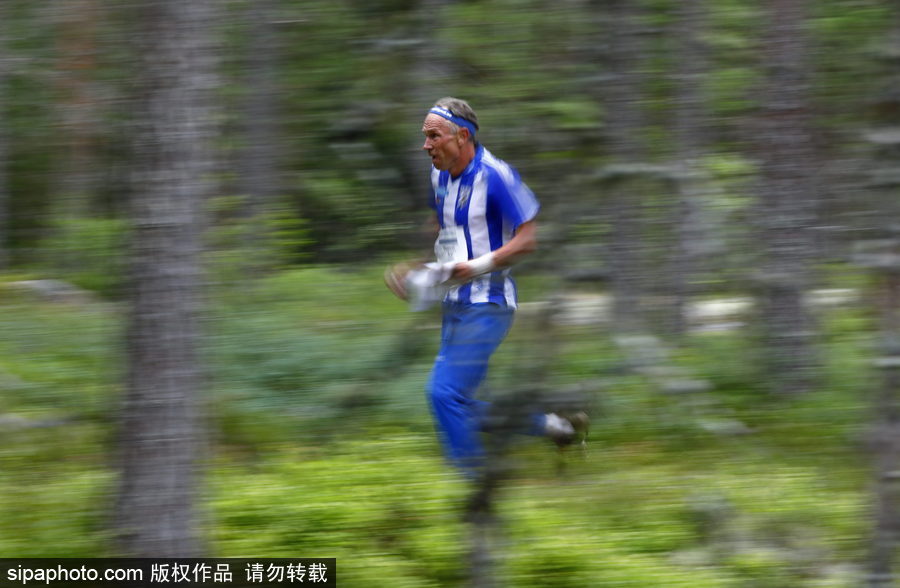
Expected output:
(323, 447)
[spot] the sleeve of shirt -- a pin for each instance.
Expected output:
(432, 197)
(516, 201)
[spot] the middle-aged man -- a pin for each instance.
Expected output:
(486, 216)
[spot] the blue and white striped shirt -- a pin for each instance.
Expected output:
(488, 201)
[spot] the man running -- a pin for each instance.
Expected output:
(486, 216)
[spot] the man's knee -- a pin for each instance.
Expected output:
(443, 394)
(457, 385)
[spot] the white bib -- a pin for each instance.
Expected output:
(451, 245)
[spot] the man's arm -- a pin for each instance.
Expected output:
(522, 243)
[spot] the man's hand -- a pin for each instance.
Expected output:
(462, 272)
(467, 270)
(395, 279)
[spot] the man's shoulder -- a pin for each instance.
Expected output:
(497, 170)
(491, 162)
(504, 183)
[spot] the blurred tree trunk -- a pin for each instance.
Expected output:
(162, 437)
(885, 434)
(430, 77)
(787, 198)
(620, 46)
(259, 160)
(884, 138)
(4, 148)
(690, 124)
(881, 254)
(78, 107)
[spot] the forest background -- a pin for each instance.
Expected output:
(197, 355)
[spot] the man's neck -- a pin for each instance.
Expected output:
(465, 158)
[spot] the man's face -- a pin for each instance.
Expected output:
(442, 146)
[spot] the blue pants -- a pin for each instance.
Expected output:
(469, 336)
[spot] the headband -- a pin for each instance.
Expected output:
(457, 120)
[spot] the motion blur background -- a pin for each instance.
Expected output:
(198, 357)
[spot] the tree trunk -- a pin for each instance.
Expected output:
(259, 161)
(158, 512)
(430, 78)
(788, 195)
(690, 139)
(884, 138)
(882, 255)
(617, 30)
(4, 150)
(885, 435)
(78, 107)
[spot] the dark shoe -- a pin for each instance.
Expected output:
(581, 422)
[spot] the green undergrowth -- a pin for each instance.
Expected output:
(323, 446)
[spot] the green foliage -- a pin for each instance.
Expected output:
(380, 505)
(58, 373)
(321, 439)
(318, 451)
(325, 344)
(356, 212)
(241, 244)
(91, 253)
(349, 106)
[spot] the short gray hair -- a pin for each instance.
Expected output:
(459, 107)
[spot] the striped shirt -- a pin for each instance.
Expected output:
(488, 201)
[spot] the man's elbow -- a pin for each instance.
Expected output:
(529, 238)
(530, 244)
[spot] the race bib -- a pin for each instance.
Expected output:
(451, 245)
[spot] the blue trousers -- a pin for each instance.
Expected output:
(469, 336)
